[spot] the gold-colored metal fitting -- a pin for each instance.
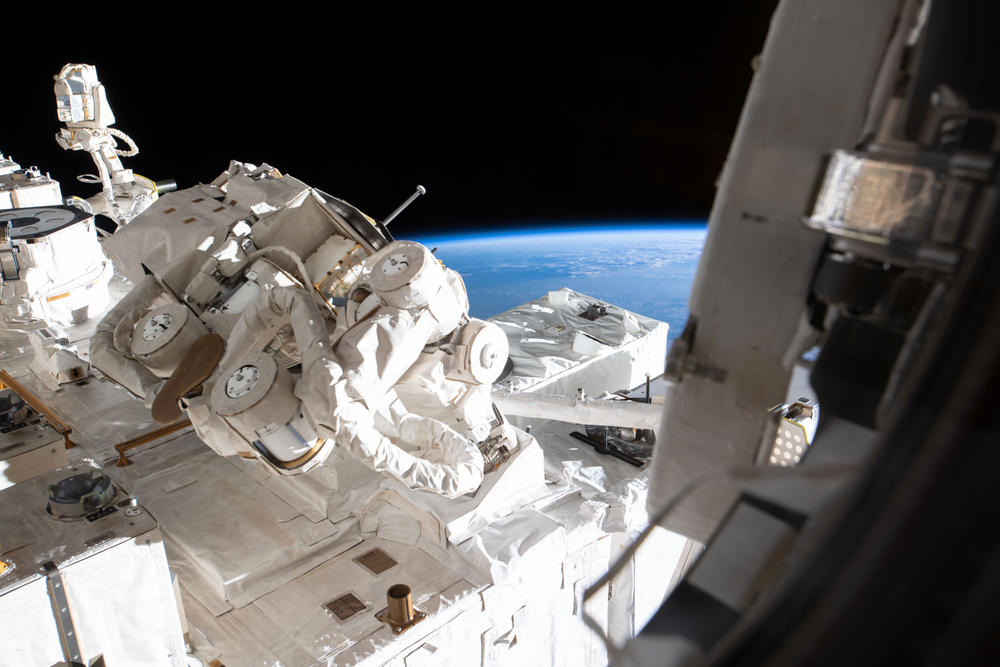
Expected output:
(400, 615)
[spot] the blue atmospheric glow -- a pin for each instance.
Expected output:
(646, 268)
(547, 229)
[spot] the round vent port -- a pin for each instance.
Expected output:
(242, 381)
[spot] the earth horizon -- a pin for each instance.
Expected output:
(646, 269)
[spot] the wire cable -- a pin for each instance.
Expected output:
(134, 150)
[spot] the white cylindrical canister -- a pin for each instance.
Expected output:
(256, 398)
(163, 336)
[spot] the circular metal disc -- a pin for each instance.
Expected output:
(27, 223)
(156, 326)
(244, 379)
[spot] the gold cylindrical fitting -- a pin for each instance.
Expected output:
(400, 610)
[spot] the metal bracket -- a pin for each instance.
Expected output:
(607, 448)
(9, 269)
(64, 619)
(681, 362)
(403, 626)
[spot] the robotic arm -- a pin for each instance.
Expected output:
(83, 106)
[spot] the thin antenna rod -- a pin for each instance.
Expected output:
(420, 190)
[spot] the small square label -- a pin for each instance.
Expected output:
(376, 561)
(346, 606)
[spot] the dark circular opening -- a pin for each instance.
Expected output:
(72, 489)
(399, 591)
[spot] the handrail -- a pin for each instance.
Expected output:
(156, 434)
(7, 382)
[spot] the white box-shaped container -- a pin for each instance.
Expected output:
(556, 349)
(114, 574)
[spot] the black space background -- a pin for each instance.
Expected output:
(509, 118)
